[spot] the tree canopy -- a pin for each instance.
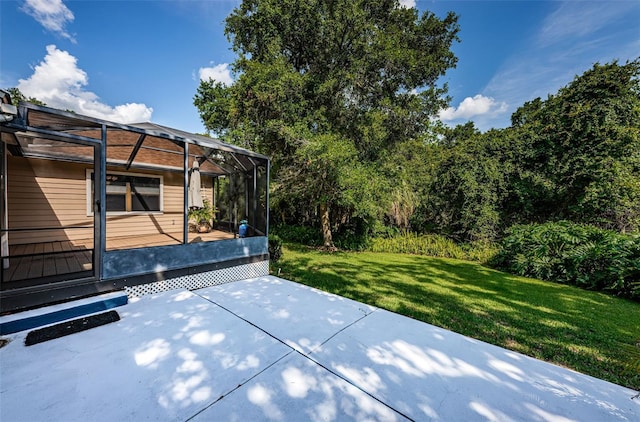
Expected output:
(329, 88)
(574, 156)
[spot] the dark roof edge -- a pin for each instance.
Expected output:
(149, 128)
(197, 139)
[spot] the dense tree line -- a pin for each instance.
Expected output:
(574, 156)
(343, 96)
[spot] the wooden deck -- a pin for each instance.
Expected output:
(43, 260)
(51, 261)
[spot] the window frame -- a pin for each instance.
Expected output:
(89, 195)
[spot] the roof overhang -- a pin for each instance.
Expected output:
(44, 132)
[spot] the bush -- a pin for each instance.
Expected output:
(304, 235)
(275, 248)
(571, 253)
(353, 236)
(480, 251)
(351, 242)
(433, 245)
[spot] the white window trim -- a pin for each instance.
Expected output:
(89, 172)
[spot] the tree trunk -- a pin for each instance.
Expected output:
(326, 226)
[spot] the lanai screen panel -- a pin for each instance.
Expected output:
(146, 177)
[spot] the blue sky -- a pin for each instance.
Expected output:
(132, 61)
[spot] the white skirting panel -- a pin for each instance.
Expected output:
(201, 280)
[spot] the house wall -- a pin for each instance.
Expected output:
(46, 193)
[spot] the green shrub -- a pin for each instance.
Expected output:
(571, 253)
(353, 236)
(304, 235)
(433, 245)
(351, 242)
(204, 214)
(275, 248)
(479, 251)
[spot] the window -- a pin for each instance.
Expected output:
(129, 192)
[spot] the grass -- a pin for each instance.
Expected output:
(586, 331)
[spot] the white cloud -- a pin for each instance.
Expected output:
(59, 82)
(52, 14)
(219, 73)
(479, 105)
(571, 39)
(577, 19)
(408, 3)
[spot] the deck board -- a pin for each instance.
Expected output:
(35, 268)
(79, 256)
(20, 267)
(48, 265)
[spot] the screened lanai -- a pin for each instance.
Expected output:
(90, 205)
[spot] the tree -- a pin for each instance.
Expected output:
(469, 185)
(585, 143)
(573, 156)
(17, 96)
(328, 88)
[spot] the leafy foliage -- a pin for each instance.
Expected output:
(302, 235)
(354, 236)
(468, 188)
(328, 89)
(17, 96)
(204, 214)
(275, 248)
(574, 156)
(433, 245)
(576, 254)
(585, 143)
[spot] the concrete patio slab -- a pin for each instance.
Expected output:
(429, 373)
(271, 349)
(299, 315)
(297, 389)
(168, 357)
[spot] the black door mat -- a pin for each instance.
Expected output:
(70, 327)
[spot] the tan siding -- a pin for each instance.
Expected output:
(169, 221)
(44, 193)
(173, 192)
(206, 188)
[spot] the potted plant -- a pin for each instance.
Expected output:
(201, 219)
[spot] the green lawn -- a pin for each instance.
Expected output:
(582, 330)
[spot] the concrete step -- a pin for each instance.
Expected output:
(34, 318)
